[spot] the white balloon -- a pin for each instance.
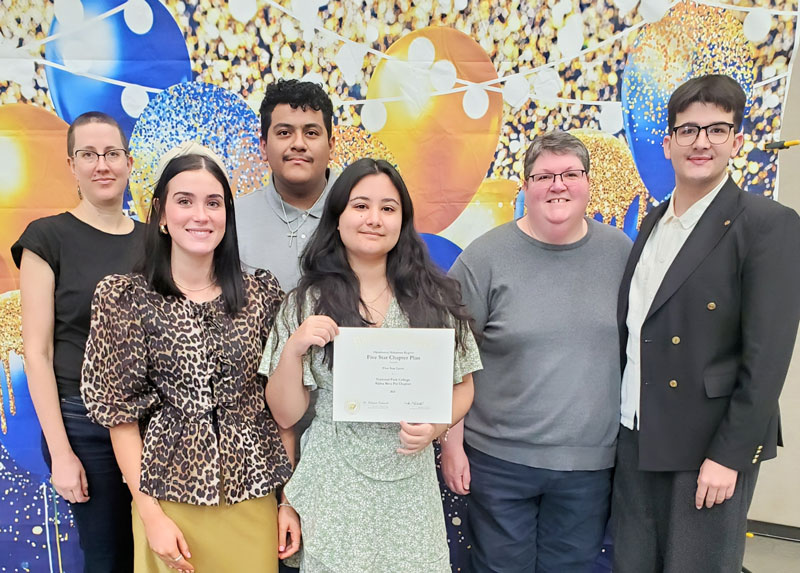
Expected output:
(69, 13)
(570, 37)
(459, 5)
(421, 52)
(516, 90)
(625, 6)
(138, 16)
(547, 84)
(475, 102)
(372, 33)
(772, 100)
(611, 117)
(350, 59)
(514, 145)
(757, 25)
(314, 78)
(134, 99)
(373, 116)
(444, 6)
(443, 75)
(242, 10)
(653, 10)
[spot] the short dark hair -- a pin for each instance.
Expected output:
(558, 143)
(716, 89)
(427, 296)
(296, 93)
(93, 117)
(156, 265)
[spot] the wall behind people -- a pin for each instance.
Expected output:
(777, 498)
(449, 91)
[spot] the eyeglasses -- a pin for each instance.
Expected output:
(112, 156)
(717, 133)
(567, 177)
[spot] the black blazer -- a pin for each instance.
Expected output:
(718, 338)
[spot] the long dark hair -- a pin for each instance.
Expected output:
(156, 265)
(428, 297)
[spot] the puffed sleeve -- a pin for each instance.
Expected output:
(114, 382)
(285, 324)
(269, 295)
(467, 358)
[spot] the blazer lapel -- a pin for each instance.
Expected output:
(648, 224)
(711, 227)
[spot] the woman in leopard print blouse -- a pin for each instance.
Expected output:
(170, 368)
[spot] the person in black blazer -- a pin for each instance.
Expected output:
(708, 314)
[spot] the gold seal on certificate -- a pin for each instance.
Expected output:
(393, 374)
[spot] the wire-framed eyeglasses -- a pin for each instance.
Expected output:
(717, 133)
(89, 157)
(567, 177)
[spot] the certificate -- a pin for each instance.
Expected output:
(393, 374)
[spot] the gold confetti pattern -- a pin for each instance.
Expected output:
(10, 341)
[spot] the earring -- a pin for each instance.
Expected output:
(163, 228)
(80, 195)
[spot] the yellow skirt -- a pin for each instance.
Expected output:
(239, 537)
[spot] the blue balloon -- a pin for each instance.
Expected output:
(22, 438)
(443, 251)
(141, 45)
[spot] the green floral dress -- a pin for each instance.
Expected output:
(363, 507)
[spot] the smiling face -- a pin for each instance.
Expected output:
(194, 213)
(103, 182)
(297, 148)
(370, 224)
(557, 208)
(700, 166)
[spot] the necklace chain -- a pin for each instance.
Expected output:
(292, 232)
(380, 294)
(187, 289)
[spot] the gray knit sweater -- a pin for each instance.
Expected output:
(548, 394)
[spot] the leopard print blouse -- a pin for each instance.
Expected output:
(186, 372)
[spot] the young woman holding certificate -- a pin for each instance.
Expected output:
(366, 493)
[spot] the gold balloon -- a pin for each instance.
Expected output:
(615, 181)
(35, 180)
(443, 144)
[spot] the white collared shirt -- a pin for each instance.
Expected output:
(660, 250)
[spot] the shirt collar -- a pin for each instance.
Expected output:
(692, 215)
(292, 212)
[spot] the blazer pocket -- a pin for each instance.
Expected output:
(720, 384)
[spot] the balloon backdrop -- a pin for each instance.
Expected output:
(492, 205)
(454, 135)
(113, 63)
(35, 180)
(691, 40)
(209, 115)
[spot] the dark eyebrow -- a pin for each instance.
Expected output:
(291, 126)
(363, 198)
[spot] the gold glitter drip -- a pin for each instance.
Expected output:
(10, 341)
(615, 181)
(353, 143)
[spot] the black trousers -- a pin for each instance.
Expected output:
(656, 527)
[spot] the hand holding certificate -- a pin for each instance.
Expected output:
(393, 375)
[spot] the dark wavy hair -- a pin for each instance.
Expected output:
(715, 89)
(156, 265)
(296, 93)
(428, 297)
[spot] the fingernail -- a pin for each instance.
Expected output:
(281, 548)
(188, 555)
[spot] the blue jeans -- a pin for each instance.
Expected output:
(525, 519)
(104, 522)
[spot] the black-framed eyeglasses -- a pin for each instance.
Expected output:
(717, 133)
(567, 177)
(89, 157)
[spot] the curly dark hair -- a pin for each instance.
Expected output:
(428, 297)
(296, 93)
